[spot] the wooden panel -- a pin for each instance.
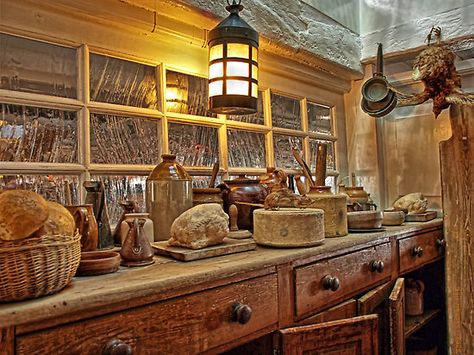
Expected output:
(349, 336)
(397, 318)
(376, 301)
(352, 271)
(7, 342)
(344, 310)
(429, 245)
(191, 324)
(457, 181)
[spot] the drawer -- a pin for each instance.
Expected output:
(328, 282)
(184, 325)
(420, 249)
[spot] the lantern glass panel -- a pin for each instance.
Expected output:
(237, 50)
(254, 54)
(215, 88)
(254, 90)
(237, 69)
(254, 72)
(216, 70)
(216, 52)
(237, 87)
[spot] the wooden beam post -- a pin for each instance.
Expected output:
(457, 182)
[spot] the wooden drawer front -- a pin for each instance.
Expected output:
(353, 271)
(420, 249)
(185, 325)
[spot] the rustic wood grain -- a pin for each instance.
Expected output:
(192, 324)
(286, 295)
(376, 302)
(457, 184)
(131, 287)
(349, 336)
(397, 318)
(347, 309)
(353, 272)
(229, 246)
(7, 341)
(431, 250)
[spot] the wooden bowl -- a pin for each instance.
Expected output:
(364, 220)
(393, 218)
(98, 263)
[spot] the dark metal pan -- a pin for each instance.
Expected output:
(376, 88)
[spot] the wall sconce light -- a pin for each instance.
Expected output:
(233, 65)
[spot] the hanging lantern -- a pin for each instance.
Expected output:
(233, 65)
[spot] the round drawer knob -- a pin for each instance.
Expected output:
(417, 251)
(377, 266)
(117, 347)
(241, 313)
(331, 283)
(441, 243)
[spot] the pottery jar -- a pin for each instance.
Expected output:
(414, 305)
(334, 207)
(356, 194)
(147, 226)
(168, 194)
(136, 248)
(207, 195)
(248, 195)
(87, 225)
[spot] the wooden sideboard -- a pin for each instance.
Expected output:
(346, 294)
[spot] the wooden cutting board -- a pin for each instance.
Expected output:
(229, 246)
(421, 217)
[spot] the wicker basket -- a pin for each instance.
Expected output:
(37, 267)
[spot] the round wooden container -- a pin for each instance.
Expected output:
(289, 227)
(335, 210)
(364, 219)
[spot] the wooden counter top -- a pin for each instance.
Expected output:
(131, 287)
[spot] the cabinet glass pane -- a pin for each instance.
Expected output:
(285, 112)
(203, 181)
(60, 188)
(330, 160)
(187, 94)
(122, 82)
(246, 149)
(282, 147)
(119, 188)
(33, 134)
(125, 140)
(193, 145)
(256, 118)
(37, 67)
(319, 118)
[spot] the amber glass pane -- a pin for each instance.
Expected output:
(118, 188)
(36, 134)
(246, 149)
(285, 112)
(256, 118)
(125, 140)
(282, 147)
(193, 145)
(330, 160)
(216, 52)
(122, 82)
(319, 118)
(32, 66)
(187, 94)
(60, 188)
(237, 50)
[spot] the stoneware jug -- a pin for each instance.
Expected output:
(136, 249)
(414, 297)
(129, 217)
(87, 225)
(128, 206)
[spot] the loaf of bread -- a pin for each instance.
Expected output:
(22, 213)
(59, 221)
